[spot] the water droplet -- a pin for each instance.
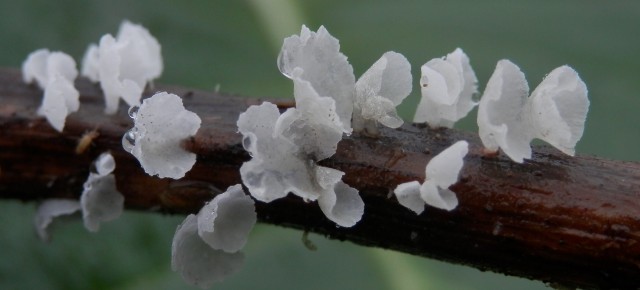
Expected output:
(282, 65)
(133, 111)
(246, 143)
(129, 140)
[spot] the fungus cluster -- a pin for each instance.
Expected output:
(285, 147)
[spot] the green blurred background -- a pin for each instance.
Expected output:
(234, 44)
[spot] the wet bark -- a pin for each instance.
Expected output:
(573, 221)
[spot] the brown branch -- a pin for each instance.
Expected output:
(572, 221)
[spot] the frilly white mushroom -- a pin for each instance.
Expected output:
(160, 125)
(441, 172)
(555, 112)
(323, 65)
(55, 73)
(379, 90)
(448, 85)
(50, 209)
(100, 199)
(225, 222)
(279, 165)
(196, 261)
(124, 64)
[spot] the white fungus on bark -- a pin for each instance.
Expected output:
(54, 72)
(195, 260)
(441, 172)
(50, 209)
(100, 199)
(323, 65)
(225, 222)
(448, 85)
(315, 58)
(379, 90)
(123, 65)
(280, 164)
(555, 112)
(161, 123)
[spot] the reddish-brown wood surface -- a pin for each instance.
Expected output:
(574, 221)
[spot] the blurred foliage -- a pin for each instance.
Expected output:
(234, 44)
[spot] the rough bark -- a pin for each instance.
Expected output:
(574, 221)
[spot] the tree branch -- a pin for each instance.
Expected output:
(559, 219)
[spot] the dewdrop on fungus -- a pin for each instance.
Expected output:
(161, 123)
(123, 64)
(448, 85)
(555, 112)
(441, 172)
(54, 72)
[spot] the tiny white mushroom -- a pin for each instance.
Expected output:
(50, 209)
(441, 172)
(196, 261)
(54, 72)
(123, 65)
(226, 221)
(100, 199)
(323, 65)
(448, 85)
(555, 112)
(342, 204)
(379, 90)
(161, 124)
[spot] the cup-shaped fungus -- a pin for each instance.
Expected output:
(54, 72)
(161, 123)
(441, 172)
(50, 209)
(448, 85)
(123, 65)
(100, 199)
(555, 112)
(378, 91)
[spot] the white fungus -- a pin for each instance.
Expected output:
(555, 112)
(379, 90)
(323, 65)
(448, 85)
(50, 209)
(198, 263)
(279, 165)
(100, 199)
(225, 222)
(441, 172)
(123, 65)
(161, 123)
(314, 58)
(55, 73)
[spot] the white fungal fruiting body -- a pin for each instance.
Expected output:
(226, 221)
(160, 125)
(123, 65)
(323, 65)
(100, 199)
(379, 90)
(99, 202)
(55, 73)
(447, 86)
(314, 58)
(440, 173)
(206, 247)
(50, 209)
(555, 112)
(198, 263)
(280, 165)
